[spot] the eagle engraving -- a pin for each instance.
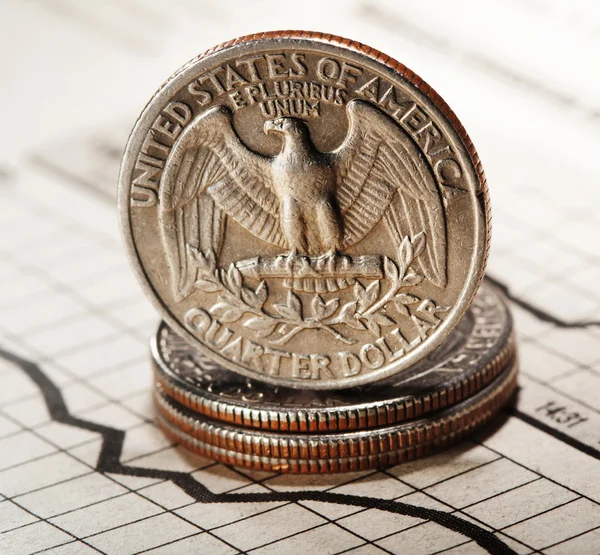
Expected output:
(301, 200)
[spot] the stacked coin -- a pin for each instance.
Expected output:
(438, 401)
(312, 222)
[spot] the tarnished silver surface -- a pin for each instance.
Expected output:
(335, 452)
(473, 355)
(304, 210)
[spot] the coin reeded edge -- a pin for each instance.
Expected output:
(478, 262)
(352, 417)
(341, 445)
(348, 463)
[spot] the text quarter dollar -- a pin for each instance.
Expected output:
(304, 210)
(478, 349)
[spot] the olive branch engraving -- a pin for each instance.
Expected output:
(367, 311)
(236, 299)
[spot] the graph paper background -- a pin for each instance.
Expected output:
(83, 469)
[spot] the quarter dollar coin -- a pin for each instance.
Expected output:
(304, 210)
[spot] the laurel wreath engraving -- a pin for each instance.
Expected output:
(367, 311)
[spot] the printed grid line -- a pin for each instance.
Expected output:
(101, 311)
(92, 471)
(531, 276)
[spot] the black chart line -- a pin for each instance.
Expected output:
(113, 440)
(112, 446)
(539, 313)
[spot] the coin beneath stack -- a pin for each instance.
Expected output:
(291, 201)
(335, 452)
(476, 351)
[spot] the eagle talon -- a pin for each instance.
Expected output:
(329, 258)
(290, 259)
(287, 256)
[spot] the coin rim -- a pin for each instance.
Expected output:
(478, 261)
(476, 419)
(336, 444)
(343, 418)
(316, 466)
(322, 419)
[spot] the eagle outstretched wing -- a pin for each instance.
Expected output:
(381, 173)
(210, 174)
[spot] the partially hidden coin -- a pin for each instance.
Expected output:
(291, 201)
(311, 466)
(476, 351)
(335, 452)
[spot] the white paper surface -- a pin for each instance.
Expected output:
(82, 467)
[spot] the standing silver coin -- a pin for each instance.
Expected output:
(304, 210)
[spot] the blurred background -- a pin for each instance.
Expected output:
(523, 77)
